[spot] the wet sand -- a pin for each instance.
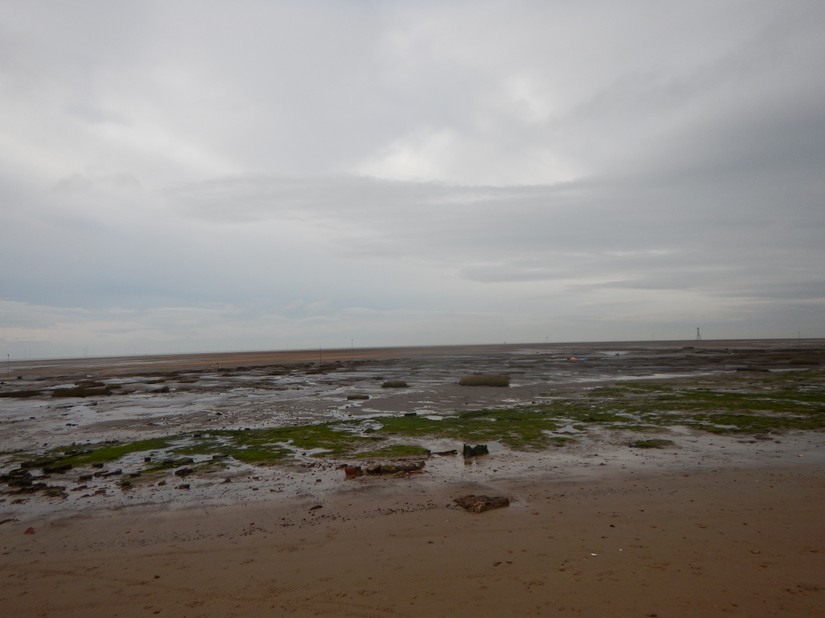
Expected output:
(719, 526)
(725, 541)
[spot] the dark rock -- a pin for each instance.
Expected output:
(353, 471)
(32, 488)
(479, 504)
(57, 468)
(184, 472)
(184, 486)
(17, 478)
(446, 453)
(475, 451)
(55, 491)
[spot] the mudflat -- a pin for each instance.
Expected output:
(709, 502)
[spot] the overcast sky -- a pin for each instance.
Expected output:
(188, 176)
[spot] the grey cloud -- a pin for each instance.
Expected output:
(590, 165)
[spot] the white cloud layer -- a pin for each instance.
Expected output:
(195, 176)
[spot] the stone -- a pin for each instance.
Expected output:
(353, 471)
(57, 468)
(475, 451)
(18, 478)
(55, 491)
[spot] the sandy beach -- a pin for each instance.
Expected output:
(716, 525)
(730, 541)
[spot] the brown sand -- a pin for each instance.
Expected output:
(128, 365)
(746, 542)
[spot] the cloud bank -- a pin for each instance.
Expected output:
(198, 176)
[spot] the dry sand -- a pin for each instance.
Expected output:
(722, 528)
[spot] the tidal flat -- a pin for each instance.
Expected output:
(77, 434)
(638, 479)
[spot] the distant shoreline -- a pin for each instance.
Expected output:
(129, 365)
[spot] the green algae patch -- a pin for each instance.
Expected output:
(722, 423)
(395, 451)
(102, 453)
(759, 405)
(272, 445)
(770, 404)
(521, 428)
(258, 455)
(328, 438)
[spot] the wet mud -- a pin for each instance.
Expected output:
(77, 405)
